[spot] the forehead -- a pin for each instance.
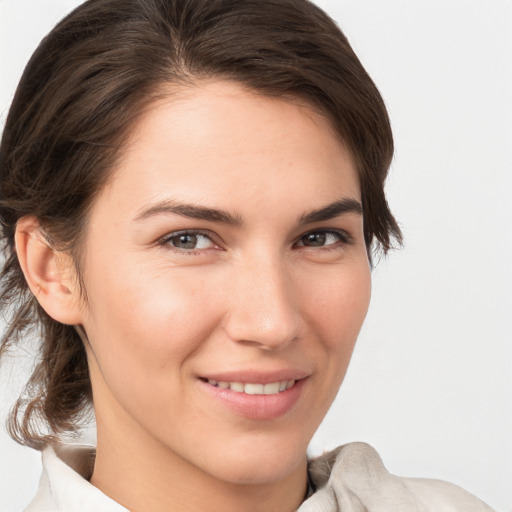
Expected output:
(218, 138)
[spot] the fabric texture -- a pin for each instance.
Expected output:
(351, 478)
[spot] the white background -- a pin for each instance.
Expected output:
(430, 384)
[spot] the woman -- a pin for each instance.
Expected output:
(191, 192)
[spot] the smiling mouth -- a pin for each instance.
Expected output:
(272, 388)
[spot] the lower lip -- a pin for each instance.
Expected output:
(257, 407)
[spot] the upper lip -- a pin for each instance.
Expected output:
(256, 376)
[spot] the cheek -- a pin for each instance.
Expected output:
(143, 323)
(334, 313)
(338, 308)
(143, 335)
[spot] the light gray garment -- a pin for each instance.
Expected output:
(351, 478)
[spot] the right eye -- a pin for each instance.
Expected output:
(188, 241)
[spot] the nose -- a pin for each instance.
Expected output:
(263, 305)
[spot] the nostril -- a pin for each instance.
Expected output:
(249, 343)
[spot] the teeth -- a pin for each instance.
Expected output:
(251, 388)
(271, 389)
(236, 386)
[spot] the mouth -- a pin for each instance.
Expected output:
(253, 388)
(255, 395)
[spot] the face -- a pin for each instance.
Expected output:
(227, 279)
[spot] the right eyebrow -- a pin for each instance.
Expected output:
(189, 210)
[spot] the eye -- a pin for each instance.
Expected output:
(322, 239)
(188, 241)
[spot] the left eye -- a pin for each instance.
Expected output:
(188, 241)
(320, 239)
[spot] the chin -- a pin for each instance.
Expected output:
(261, 463)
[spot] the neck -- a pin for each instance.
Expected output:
(148, 476)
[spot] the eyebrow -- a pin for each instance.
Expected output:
(346, 205)
(335, 209)
(190, 210)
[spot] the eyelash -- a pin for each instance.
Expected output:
(343, 239)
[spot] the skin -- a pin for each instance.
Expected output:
(261, 293)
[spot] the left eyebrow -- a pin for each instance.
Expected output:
(343, 206)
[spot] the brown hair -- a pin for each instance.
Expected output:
(83, 89)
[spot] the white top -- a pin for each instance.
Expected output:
(351, 478)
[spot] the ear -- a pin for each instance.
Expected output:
(50, 274)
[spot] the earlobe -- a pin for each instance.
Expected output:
(49, 273)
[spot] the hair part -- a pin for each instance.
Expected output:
(82, 92)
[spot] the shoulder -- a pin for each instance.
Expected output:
(354, 478)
